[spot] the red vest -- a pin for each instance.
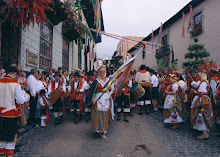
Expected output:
(167, 81)
(76, 95)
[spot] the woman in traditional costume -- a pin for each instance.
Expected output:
(173, 110)
(102, 107)
(201, 109)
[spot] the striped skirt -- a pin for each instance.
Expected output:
(207, 113)
(100, 120)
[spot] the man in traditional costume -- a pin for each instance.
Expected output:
(77, 90)
(173, 110)
(143, 78)
(201, 109)
(122, 101)
(10, 94)
(102, 105)
(58, 106)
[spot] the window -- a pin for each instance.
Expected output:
(65, 56)
(143, 55)
(79, 56)
(120, 51)
(164, 40)
(198, 23)
(45, 46)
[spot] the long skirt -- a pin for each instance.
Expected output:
(206, 116)
(100, 120)
(173, 109)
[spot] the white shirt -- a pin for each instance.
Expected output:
(39, 87)
(52, 77)
(183, 85)
(32, 85)
(203, 88)
(25, 96)
(85, 86)
(195, 84)
(154, 81)
(19, 95)
(56, 86)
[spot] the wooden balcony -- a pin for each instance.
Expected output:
(163, 51)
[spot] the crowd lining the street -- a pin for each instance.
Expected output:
(193, 96)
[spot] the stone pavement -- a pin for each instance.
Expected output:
(143, 136)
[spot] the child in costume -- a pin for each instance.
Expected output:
(44, 108)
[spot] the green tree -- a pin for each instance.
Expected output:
(196, 55)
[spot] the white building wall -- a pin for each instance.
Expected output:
(57, 46)
(30, 39)
(210, 36)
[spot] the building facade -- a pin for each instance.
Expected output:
(50, 44)
(125, 44)
(204, 27)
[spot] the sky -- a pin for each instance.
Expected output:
(134, 18)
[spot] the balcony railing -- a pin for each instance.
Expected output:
(197, 30)
(163, 51)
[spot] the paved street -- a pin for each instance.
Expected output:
(142, 136)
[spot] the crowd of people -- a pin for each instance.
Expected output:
(193, 96)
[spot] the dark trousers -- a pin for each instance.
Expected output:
(8, 129)
(33, 104)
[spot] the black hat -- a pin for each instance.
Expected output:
(192, 71)
(214, 71)
(90, 73)
(147, 68)
(76, 74)
(142, 67)
(131, 73)
(57, 74)
(43, 91)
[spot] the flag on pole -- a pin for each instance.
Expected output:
(183, 23)
(122, 72)
(190, 16)
(122, 79)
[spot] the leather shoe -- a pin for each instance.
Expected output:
(19, 145)
(16, 150)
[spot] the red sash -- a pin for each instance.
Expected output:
(45, 103)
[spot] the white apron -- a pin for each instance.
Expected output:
(103, 104)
